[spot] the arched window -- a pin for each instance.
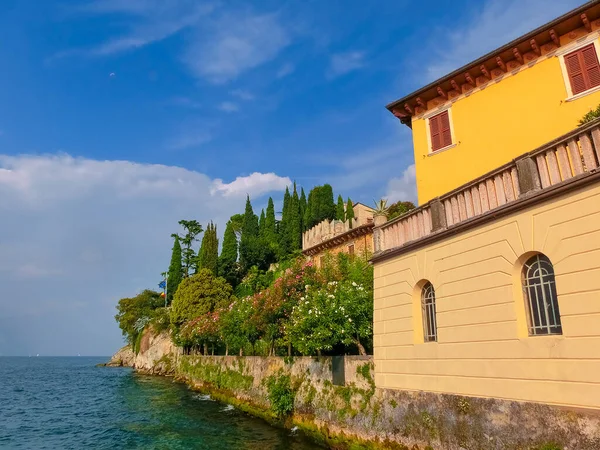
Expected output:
(539, 286)
(429, 318)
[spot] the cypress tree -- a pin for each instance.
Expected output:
(261, 224)
(270, 232)
(284, 244)
(302, 209)
(308, 211)
(229, 255)
(249, 243)
(209, 248)
(175, 269)
(327, 203)
(349, 212)
(294, 222)
(340, 213)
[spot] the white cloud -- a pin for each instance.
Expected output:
(490, 25)
(342, 63)
(403, 188)
(229, 107)
(78, 234)
(254, 185)
(242, 94)
(235, 43)
(285, 70)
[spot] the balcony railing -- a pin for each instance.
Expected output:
(575, 154)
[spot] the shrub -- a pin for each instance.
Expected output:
(590, 116)
(281, 394)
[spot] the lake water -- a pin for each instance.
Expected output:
(68, 403)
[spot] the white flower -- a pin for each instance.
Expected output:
(350, 320)
(354, 284)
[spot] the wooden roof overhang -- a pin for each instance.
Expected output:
(499, 61)
(339, 239)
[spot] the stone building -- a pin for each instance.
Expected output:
(491, 287)
(354, 238)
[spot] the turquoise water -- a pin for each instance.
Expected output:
(68, 403)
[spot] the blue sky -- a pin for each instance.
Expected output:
(120, 117)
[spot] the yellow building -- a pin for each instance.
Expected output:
(504, 104)
(491, 288)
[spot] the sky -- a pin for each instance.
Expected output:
(120, 117)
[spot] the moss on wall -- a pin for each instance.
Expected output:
(300, 392)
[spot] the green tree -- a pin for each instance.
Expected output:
(261, 224)
(340, 212)
(228, 261)
(270, 232)
(308, 212)
(350, 212)
(294, 227)
(175, 273)
(399, 208)
(192, 230)
(199, 294)
(327, 205)
(250, 251)
(303, 205)
(209, 250)
(284, 242)
(134, 313)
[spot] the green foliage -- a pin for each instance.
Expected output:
(198, 295)
(228, 261)
(261, 224)
(192, 230)
(294, 225)
(175, 273)
(320, 206)
(284, 225)
(399, 208)
(590, 116)
(381, 208)
(270, 232)
(255, 281)
(216, 374)
(340, 211)
(349, 211)
(135, 311)
(251, 250)
(281, 395)
(302, 203)
(209, 250)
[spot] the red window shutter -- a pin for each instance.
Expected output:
(575, 72)
(439, 126)
(592, 68)
(434, 128)
(445, 129)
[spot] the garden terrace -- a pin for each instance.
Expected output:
(566, 163)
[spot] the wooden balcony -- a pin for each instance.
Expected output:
(572, 157)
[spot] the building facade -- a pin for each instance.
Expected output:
(505, 104)
(332, 237)
(491, 287)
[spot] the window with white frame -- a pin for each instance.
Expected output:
(583, 69)
(440, 133)
(429, 315)
(539, 287)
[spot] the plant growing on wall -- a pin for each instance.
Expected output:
(381, 208)
(281, 395)
(590, 116)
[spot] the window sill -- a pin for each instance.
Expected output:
(583, 94)
(443, 149)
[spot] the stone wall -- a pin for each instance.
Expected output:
(357, 411)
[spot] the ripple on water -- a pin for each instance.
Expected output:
(68, 403)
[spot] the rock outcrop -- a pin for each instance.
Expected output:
(123, 358)
(157, 355)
